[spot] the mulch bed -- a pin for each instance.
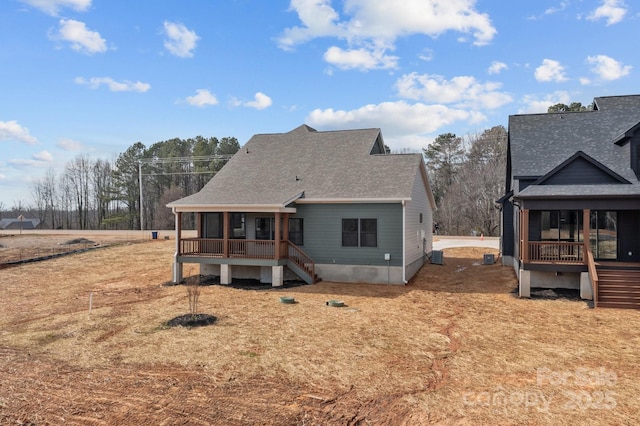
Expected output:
(192, 320)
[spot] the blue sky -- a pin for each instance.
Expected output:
(92, 77)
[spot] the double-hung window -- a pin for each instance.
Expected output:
(359, 232)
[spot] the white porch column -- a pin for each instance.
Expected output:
(225, 274)
(177, 266)
(525, 283)
(586, 289)
(277, 276)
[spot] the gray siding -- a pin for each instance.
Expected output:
(580, 171)
(323, 233)
(418, 234)
(508, 232)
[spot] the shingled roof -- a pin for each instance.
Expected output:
(314, 166)
(539, 143)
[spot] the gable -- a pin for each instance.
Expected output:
(580, 169)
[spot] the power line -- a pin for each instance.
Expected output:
(163, 160)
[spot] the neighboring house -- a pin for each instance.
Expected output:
(571, 214)
(17, 223)
(314, 205)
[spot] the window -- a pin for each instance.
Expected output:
(237, 226)
(561, 225)
(212, 225)
(604, 234)
(296, 229)
(264, 228)
(359, 232)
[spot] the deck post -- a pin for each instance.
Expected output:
(177, 266)
(225, 234)
(586, 230)
(276, 249)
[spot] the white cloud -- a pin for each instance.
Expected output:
(398, 119)
(550, 70)
(69, 145)
(82, 39)
(114, 86)
(362, 59)
(319, 19)
(377, 24)
(180, 40)
(39, 159)
(53, 7)
(202, 98)
(534, 105)
(462, 91)
(611, 10)
(261, 101)
(497, 67)
(563, 5)
(608, 68)
(12, 131)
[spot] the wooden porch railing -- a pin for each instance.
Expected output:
(203, 247)
(555, 252)
(301, 259)
(593, 274)
(250, 249)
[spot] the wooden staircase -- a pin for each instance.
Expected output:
(618, 287)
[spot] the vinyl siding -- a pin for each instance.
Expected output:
(323, 233)
(580, 171)
(418, 236)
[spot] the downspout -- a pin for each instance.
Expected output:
(404, 243)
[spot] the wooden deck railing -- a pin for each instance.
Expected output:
(212, 247)
(301, 259)
(555, 252)
(593, 274)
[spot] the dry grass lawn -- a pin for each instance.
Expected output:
(452, 347)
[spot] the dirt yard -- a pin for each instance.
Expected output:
(452, 347)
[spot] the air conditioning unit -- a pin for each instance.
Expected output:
(489, 259)
(437, 257)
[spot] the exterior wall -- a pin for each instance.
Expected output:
(323, 233)
(360, 274)
(418, 236)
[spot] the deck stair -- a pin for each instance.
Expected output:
(618, 287)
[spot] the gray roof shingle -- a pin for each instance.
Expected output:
(273, 169)
(541, 142)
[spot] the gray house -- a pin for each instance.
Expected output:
(571, 214)
(312, 205)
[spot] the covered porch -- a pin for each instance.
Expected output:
(241, 238)
(601, 248)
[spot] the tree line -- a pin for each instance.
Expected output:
(105, 194)
(467, 176)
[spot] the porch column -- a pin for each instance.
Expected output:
(199, 220)
(177, 266)
(225, 274)
(285, 227)
(225, 234)
(276, 250)
(586, 218)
